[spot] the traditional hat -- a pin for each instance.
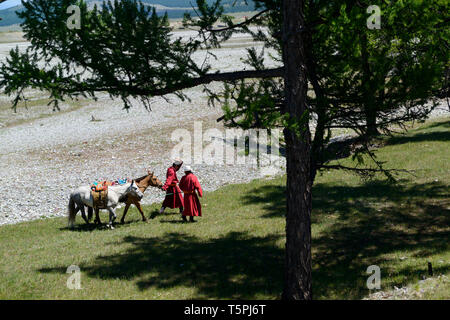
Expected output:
(188, 169)
(177, 161)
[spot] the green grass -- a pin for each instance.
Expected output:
(237, 249)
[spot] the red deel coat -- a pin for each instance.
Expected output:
(174, 198)
(189, 183)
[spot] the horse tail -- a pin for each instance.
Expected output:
(72, 212)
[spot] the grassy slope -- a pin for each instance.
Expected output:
(236, 249)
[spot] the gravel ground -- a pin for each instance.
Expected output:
(412, 292)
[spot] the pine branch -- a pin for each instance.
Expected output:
(364, 171)
(188, 83)
(226, 76)
(239, 25)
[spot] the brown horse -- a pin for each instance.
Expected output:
(143, 183)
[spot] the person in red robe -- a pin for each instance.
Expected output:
(174, 198)
(191, 186)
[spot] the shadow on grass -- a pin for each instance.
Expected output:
(83, 227)
(442, 124)
(234, 266)
(424, 136)
(132, 217)
(420, 137)
(173, 221)
(369, 222)
(361, 225)
(374, 222)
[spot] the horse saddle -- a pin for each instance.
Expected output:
(99, 192)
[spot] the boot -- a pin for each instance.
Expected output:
(184, 218)
(191, 219)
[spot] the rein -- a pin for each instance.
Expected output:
(187, 192)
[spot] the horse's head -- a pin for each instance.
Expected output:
(134, 191)
(154, 181)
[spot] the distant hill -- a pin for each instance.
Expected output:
(9, 16)
(174, 8)
(5, 4)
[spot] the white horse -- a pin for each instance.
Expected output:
(83, 197)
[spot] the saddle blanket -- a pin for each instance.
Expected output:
(103, 185)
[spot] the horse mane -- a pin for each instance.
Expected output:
(141, 178)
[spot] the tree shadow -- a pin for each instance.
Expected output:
(367, 234)
(236, 266)
(359, 226)
(443, 124)
(420, 137)
(424, 136)
(370, 221)
(366, 197)
(272, 199)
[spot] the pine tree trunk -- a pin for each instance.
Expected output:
(371, 122)
(298, 281)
